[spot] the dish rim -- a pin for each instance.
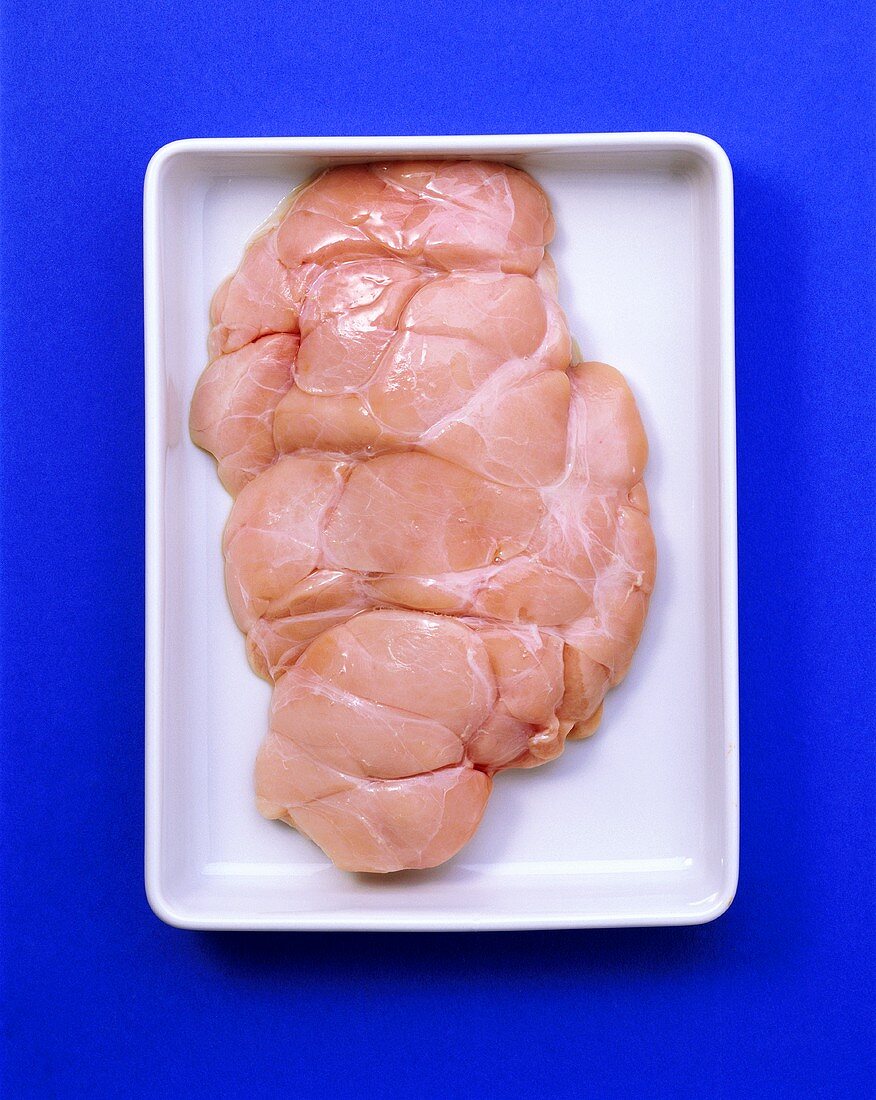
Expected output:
(715, 159)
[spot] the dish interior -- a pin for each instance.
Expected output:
(631, 826)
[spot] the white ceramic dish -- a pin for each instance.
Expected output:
(637, 826)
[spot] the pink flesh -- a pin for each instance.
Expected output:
(440, 548)
(262, 297)
(426, 515)
(445, 215)
(273, 536)
(349, 317)
(232, 412)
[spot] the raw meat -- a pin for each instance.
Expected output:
(439, 549)
(234, 406)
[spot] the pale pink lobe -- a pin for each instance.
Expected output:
(382, 654)
(232, 412)
(519, 438)
(340, 422)
(444, 214)
(528, 666)
(324, 599)
(394, 825)
(621, 541)
(365, 762)
(272, 538)
(350, 314)
(262, 297)
(420, 514)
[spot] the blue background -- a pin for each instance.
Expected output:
(99, 997)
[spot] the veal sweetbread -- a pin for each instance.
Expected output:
(439, 548)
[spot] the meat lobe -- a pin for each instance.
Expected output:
(456, 334)
(232, 413)
(273, 536)
(365, 762)
(444, 214)
(414, 512)
(340, 422)
(261, 298)
(350, 315)
(518, 437)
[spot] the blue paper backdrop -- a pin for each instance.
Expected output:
(98, 997)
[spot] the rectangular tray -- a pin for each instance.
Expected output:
(638, 826)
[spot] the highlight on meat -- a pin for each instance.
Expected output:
(439, 549)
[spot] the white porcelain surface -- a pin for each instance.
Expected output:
(638, 825)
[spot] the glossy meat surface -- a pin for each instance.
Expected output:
(439, 548)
